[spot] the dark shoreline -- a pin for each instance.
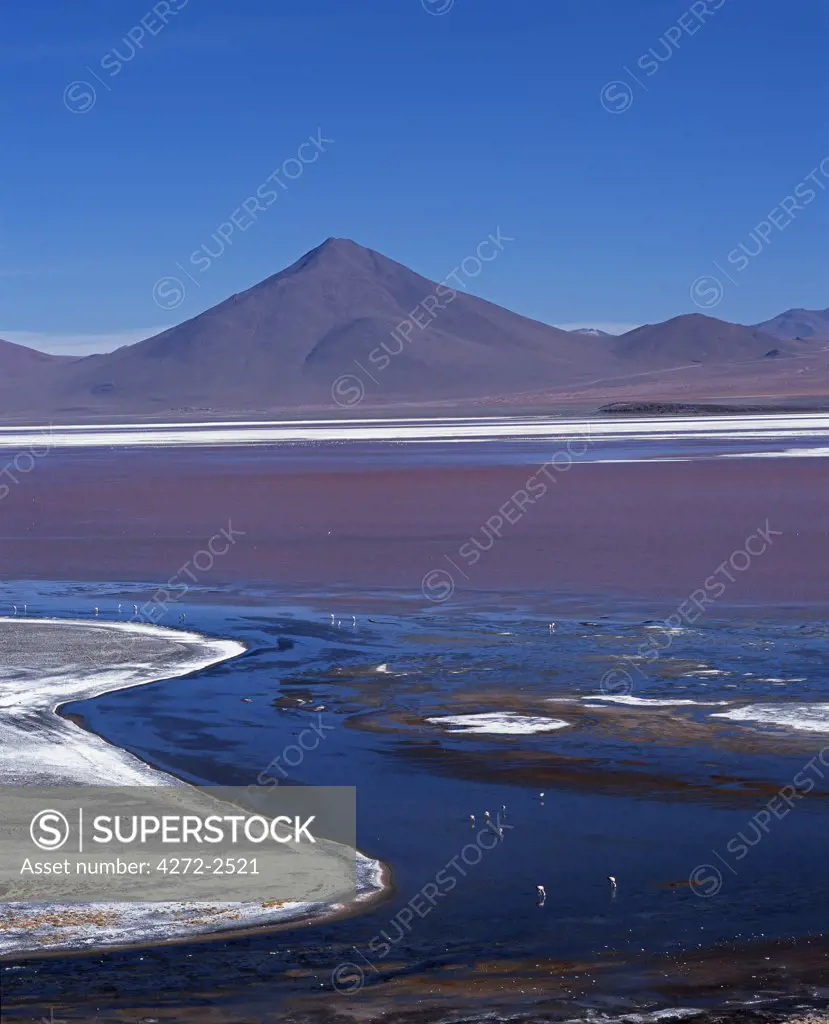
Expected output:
(766, 983)
(656, 408)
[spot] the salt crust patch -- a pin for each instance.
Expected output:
(503, 723)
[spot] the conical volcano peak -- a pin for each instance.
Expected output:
(337, 248)
(345, 312)
(332, 253)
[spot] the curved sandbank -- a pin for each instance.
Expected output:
(47, 663)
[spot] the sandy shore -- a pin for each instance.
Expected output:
(49, 662)
(655, 530)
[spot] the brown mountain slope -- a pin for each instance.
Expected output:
(285, 341)
(336, 315)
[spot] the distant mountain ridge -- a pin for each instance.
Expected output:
(798, 323)
(696, 338)
(20, 357)
(346, 326)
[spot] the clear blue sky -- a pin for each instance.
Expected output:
(445, 126)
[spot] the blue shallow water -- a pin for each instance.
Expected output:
(646, 796)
